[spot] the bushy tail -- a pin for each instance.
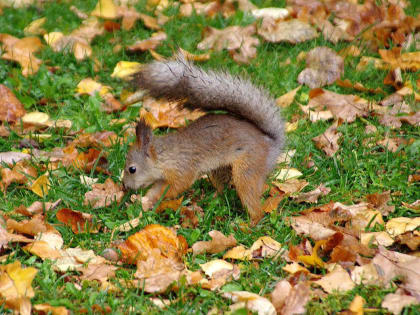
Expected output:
(211, 90)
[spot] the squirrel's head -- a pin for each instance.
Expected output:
(140, 166)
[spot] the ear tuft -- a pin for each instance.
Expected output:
(143, 134)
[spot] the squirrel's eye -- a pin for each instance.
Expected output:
(132, 169)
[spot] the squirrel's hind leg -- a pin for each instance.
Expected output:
(220, 177)
(249, 179)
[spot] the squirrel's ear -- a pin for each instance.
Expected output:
(143, 134)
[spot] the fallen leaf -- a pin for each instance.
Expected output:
(356, 306)
(55, 310)
(35, 27)
(218, 243)
(331, 32)
(328, 141)
(11, 109)
(271, 203)
(288, 299)
(13, 157)
(97, 272)
(376, 238)
(164, 113)
(380, 201)
(273, 13)
(293, 31)
(324, 67)
(78, 221)
(287, 99)
(41, 185)
(397, 226)
(253, 302)
(395, 302)
(346, 107)
(139, 245)
(366, 275)
(16, 286)
(103, 195)
(239, 41)
(148, 44)
(125, 69)
(358, 86)
(291, 186)
(33, 226)
(313, 259)
(20, 173)
(23, 52)
(336, 280)
(312, 196)
(105, 9)
(288, 173)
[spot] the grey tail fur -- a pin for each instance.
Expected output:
(211, 90)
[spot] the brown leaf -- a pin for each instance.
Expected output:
(336, 280)
(239, 41)
(410, 239)
(331, 32)
(271, 203)
(291, 186)
(324, 67)
(22, 51)
(288, 299)
(147, 44)
(346, 107)
(33, 226)
(100, 272)
(20, 173)
(47, 308)
(395, 302)
(218, 243)
(6, 237)
(312, 196)
(293, 31)
(78, 221)
(11, 109)
(380, 201)
(163, 113)
(141, 244)
(358, 86)
(328, 141)
(102, 195)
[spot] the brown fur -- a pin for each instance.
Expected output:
(243, 148)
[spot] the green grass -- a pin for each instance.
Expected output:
(356, 170)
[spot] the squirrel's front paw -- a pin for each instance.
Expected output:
(146, 203)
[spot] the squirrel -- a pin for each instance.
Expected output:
(242, 145)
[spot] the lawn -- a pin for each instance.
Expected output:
(365, 166)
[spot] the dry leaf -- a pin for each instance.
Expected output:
(336, 280)
(105, 9)
(412, 240)
(55, 310)
(346, 107)
(287, 174)
(164, 113)
(366, 275)
(271, 203)
(331, 32)
(13, 157)
(102, 195)
(239, 41)
(253, 302)
(324, 67)
(328, 141)
(148, 44)
(313, 259)
(78, 221)
(35, 27)
(273, 13)
(16, 286)
(287, 99)
(380, 201)
(288, 299)
(41, 185)
(100, 272)
(293, 31)
(140, 245)
(125, 69)
(397, 226)
(22, 51)
(20, 173)
(312, 196)
(376, 238)
(291, 186)
(218, 243)
(395, 302)
(11, 109)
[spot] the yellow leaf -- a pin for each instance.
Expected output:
(125, 69)
(15, 281)
(35, 27)
(291, 126)
(397, 226)
(90, 86)
(35, 118)
(41, 185)
(105, 9)
(288, 173)
(287, 99)
(313, 260)
(356, 306)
